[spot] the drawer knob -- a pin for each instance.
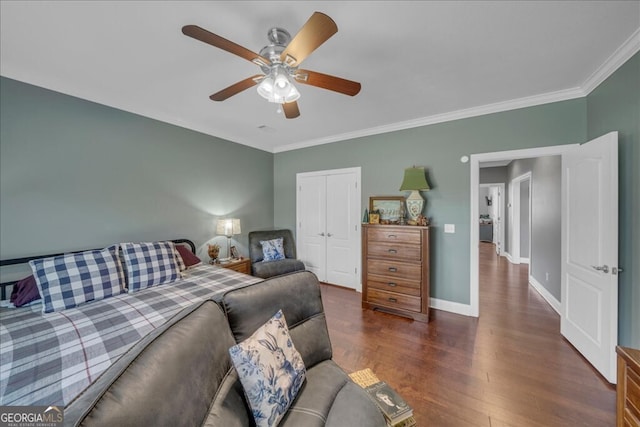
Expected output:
(393, 251)
(393, 285)
(393, 269)
(391, 236)
(393, 300)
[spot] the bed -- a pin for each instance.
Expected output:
(49, 358)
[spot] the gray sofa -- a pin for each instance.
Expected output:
(266, 269)
(181, 374)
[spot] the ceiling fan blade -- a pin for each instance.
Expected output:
(222, 43)
(317, 30)
(236, 88)
(291, 110)
(325, 81)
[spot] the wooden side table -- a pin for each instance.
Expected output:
(242, 265)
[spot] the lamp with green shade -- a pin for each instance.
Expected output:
(414, 181)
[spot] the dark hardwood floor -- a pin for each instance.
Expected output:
(509, 367)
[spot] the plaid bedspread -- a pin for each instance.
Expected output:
(48, 359)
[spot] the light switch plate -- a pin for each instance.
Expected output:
(449, 228)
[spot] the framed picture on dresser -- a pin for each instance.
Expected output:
(389, 207)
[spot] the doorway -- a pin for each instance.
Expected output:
(475, 161)
(492, 204)
(589, 239)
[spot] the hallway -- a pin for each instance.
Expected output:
(509, 367)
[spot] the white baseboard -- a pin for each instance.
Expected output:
(553, 302)
(450, 306)
(508, 255)
(513, 261)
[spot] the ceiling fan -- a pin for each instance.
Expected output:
(279, 62)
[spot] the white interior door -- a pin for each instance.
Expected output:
(311, 236)
(590, 251)
(342, 233)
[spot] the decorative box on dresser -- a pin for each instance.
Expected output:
(628, 388)
(395, 269)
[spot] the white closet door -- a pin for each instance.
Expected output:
(312, 224)
(328, 218)
(342, 234)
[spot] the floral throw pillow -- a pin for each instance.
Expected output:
(270, 369)
(272, 250)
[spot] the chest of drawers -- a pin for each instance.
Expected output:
(395, 270)
(628, 388)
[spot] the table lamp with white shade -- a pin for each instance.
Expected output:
(228, 227)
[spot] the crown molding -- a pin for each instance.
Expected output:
(621, 55)
(629, 48)
(497, 107)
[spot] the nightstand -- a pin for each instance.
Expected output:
(242, 265)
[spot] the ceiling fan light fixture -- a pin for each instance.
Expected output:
(277, 87)
(279, 62)
(293, 94)
(265, 88)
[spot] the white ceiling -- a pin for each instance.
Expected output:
(418, 62)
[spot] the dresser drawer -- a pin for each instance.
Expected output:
(630, 420)
(394, 269)
(400, 286)
(393, 235)
(396, 251)
(394, 300)
(633, 392)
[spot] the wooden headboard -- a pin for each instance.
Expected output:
(24, 260)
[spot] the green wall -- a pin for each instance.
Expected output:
(75, 174)
(615, 105)
(438, 148)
